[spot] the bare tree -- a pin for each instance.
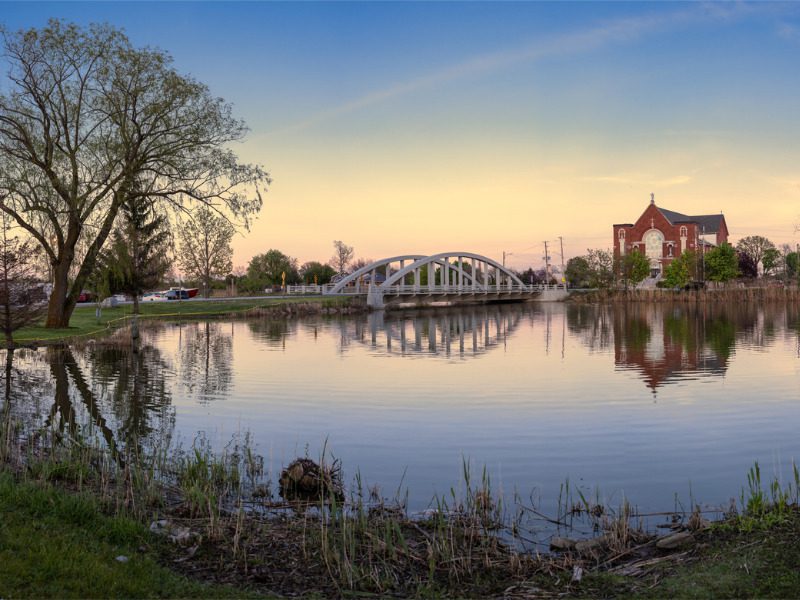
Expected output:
(20, 302)
(85, 117)
(205, 248)
(342, 256)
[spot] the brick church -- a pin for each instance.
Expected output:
(664, 234)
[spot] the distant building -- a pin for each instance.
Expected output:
(663, 234)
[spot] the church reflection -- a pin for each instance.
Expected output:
(452, 332)
(665, 343)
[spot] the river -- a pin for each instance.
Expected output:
(662, 405)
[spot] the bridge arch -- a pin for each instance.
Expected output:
(373, 267)
(442, 260)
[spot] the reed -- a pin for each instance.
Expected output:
(218, 508)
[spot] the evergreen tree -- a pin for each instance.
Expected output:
(137, 258)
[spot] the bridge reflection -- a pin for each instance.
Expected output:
(458, 332)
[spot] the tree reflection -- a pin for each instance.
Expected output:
(26, 387)
(134, 386)
(593, 325)
(206, 359)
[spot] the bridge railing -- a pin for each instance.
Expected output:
(410, 289)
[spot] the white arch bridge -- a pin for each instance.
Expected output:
(448, 277)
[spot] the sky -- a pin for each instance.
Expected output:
(489, 127)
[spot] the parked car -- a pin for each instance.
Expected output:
(85, 296)
(155, 297)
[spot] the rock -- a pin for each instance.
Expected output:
(181, 535)
(122, 559)
(676, 540)
(588, 546)
(561, 544)
(159, 526)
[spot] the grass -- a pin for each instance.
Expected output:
(731, 560)
(84, 322)
(59, 544)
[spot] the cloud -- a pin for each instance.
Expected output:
(623, 30)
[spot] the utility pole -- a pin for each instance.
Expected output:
(703, 254)
(563, 276)
(546, 264)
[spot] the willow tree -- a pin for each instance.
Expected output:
(86, 118)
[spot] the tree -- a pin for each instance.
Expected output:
(18, 304)
(578, 272)
(205, 247)
(756, 247)
(316, 272)
(681, 270)
(722, 263)
(634, 268)
(792, 262)
(771, 261)
(747, 266)
(85, 117)
(342, 256)
(529, 275)
(138, 256)
(269, 268)
(601, 268)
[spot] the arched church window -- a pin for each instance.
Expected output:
(654, 243)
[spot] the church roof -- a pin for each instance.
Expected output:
(709, 223)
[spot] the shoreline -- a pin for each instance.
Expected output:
(85, 324)
(205, 518)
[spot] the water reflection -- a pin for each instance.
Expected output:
(666, 343)
(462, 332)
(134, 385)
(109, 394)
(206, 359)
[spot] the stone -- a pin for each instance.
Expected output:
(181, 535)
(676, 540)
(122, 559)
(159, 526)
(562, 544)
(590, 545)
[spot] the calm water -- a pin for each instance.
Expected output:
(641, 402)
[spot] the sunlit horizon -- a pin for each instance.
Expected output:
(431, 127)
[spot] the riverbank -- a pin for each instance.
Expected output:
(85, 324)
(192, 523)
(710, 295)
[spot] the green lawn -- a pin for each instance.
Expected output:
(84, 322)
(54, 544)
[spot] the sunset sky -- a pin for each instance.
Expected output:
(420, 127)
